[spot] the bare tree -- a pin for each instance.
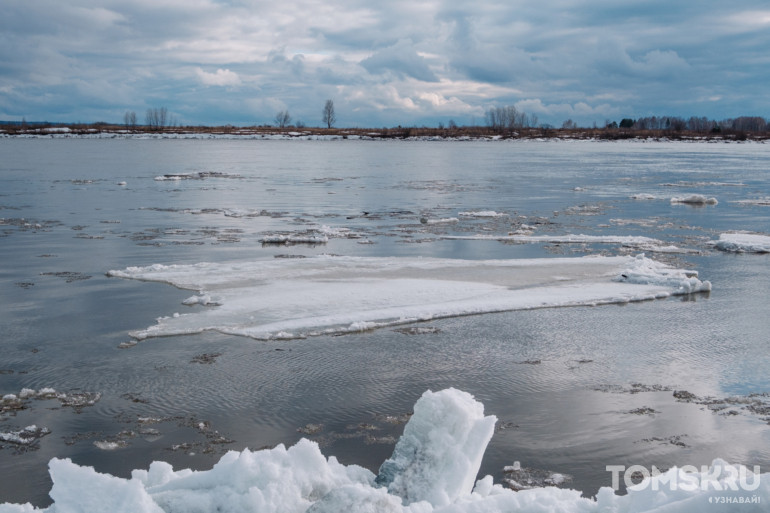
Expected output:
(156, 118)
(129, 119)
(282, 119)
(328, 116)
(506, 118)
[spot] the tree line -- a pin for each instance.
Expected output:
(701, 125)
(328, 117)
(158, 118)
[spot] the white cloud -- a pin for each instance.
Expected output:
(222, 77)
(578, 111)
(400, 61)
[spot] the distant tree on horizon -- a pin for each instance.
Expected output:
(282, 119)
(156, 118)
(328, 116)
(506, 118)
(129, 119)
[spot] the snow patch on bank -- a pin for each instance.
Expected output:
(432, 470)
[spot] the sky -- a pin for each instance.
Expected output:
(388, 63)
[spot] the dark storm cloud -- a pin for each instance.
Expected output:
(396, 62)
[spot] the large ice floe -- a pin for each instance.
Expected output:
(743, 243)
(325, 295)
(433, 469)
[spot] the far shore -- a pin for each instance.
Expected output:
(99, 130)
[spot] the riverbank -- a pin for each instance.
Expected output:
(417, 133)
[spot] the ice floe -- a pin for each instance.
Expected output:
(755, 201)
(694, 199)
(743, 243)
(432, 470)
(483, 213)
(194, 176)
(325, 295)
(522, 235)
(294, 238)
(26, 436)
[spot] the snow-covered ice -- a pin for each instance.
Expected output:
(625, 240)
(324, 295)
(743, 243)
(433, 469)
(694, 199)
(483, 213)
(294, 238)
(755, 201)
(26, 436)
(439, 454)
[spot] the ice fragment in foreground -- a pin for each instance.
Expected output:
(439, 454)
(431, 471)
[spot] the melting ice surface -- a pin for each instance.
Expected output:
(433, 469)
(294, 298)
(743, 243)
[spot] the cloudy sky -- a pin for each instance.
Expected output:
(407, 62)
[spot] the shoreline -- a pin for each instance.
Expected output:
(459, 134)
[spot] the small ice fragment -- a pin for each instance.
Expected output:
(694, 199)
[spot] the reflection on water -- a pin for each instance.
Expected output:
(575, 389)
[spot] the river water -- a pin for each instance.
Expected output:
(575, 389)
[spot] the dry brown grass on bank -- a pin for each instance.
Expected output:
(473, 132)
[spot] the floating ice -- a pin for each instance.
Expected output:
(743, 243)
(200, 175)
(294, 238)
(338, 232)
(438, 456)
(445, 220)
(756, 201)
(27, 436)
(483, 213)
(432, 470)
(625, 240)
(694, 199)
(644, 271)
(325, 295)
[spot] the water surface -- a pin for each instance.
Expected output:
(575, 389)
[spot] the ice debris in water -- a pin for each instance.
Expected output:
(26, 436)
(432, 470)
(483, 213)
(440, 452)
(644, 271)
(743, 243)
(695, 199)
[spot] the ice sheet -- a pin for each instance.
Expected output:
(294, 298)
(432, 470)
(743, 243)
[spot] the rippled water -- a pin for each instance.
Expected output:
(575, 389)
